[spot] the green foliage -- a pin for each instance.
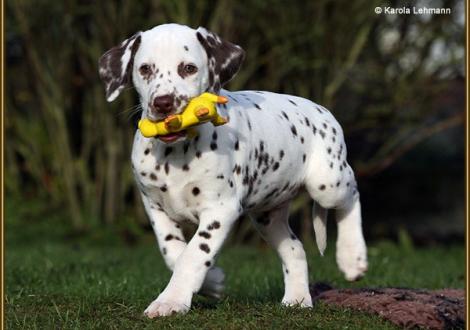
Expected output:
(67, 146)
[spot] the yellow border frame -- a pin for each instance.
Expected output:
(2, 139)
(467, 86)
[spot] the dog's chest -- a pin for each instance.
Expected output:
(176, 178)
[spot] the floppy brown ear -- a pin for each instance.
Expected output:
(115, 66)
(224, 58)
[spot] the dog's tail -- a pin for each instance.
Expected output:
(319, 226)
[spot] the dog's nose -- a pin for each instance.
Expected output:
(163, 104)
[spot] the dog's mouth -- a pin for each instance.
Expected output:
(172, 137)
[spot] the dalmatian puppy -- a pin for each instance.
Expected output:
(273, 145)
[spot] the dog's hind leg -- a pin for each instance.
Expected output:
(334, 187)
(274, 228)
(351, 251)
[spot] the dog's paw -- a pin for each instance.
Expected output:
(213, 285)
(160, 307)
(352, 260)
(303, 301)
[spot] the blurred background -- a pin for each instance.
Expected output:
(395, 82)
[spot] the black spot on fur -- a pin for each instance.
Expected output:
(328, 150)
(257, 106)
(198, 154)
(220, 176)
(164, 251)
(214, 136)
(322, 187)
(301, 139)
(214, 225)
(304, 158)
(153, 177)
(281, 154)
(146, 151)
(307, 122)
(169, 237)
(207, 263)
(185, 167)
(163, 188)
(213, 146)
(322, 133)
(285, 115)
(143, 173)
(204, 234)
(293, 102)
(196, 191)
(237, 145)
(168, 150)
(293, 130)
(271, 193)
(204, 247)
(275, 166)
(185, 147)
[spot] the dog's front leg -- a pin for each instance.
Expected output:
(194, 262)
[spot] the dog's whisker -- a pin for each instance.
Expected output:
(132, 110)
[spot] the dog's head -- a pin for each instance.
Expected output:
(169, 65)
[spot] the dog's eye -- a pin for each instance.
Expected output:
(144, 69)
(190, 68)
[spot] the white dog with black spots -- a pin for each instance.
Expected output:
(273, 145)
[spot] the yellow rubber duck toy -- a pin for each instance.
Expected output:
(200, 109)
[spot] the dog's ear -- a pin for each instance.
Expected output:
(224, 58)
(115, 66)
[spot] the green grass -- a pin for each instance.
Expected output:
(97, 282)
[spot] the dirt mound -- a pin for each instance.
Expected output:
(407, 308)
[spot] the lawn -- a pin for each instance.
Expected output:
(97, 282)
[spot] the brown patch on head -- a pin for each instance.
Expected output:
(181, 72)
(148, 72)
(224, 58)
(186, 69)
(181, 100)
